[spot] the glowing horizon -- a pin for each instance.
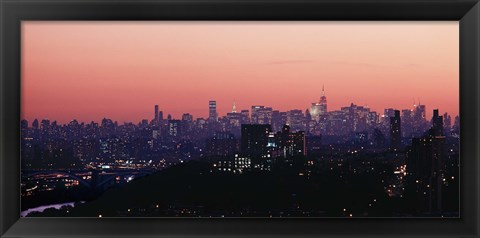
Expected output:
(120, 70)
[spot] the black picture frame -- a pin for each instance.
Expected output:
(467, 12)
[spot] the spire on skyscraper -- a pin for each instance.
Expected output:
(234, 108)
(323, 99)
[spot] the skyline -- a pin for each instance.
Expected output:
(227, 62)
(238, 110)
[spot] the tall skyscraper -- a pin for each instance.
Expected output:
(319, 109)
(419, 113)
(323, 102)
(160, 115)
(420, 124)
(407, 122)
(212, 111)
(437, 123)
(447, 123)
(234, 108)
(296, 145)
(395, 130)
(155, 118)
(35, 124)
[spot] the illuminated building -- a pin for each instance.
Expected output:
(212, 111)
(338, 123)
(372, 120)
(296, 120)
(174, 127)
(261, 115)
(318, 109)
(245, 117)
(278, 120)
(242, 163)
(291, 143)
(234, 119)
(296, 144)
(235, 164)
(234, 108)
(420, 123)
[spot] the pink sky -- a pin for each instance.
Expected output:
(120, 70)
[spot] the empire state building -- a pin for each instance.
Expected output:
(319, 108)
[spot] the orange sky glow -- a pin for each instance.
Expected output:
(120, 70)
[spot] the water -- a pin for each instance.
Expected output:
(42, 208)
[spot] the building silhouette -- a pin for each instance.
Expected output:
(254, 140)
(222, 144)
(155, 117)
(212, 111)
(395, 130)
(426, 168)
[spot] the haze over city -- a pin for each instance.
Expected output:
(119, 70)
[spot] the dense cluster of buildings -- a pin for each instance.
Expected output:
(253, 139)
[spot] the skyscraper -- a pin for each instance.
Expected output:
(395, 130)
(296, 120)
(426, 167)
(234, 108)
(420, 124)
(323, 102)
(212, 111)
(296, 145)
(245, 117)
(419, 112)
(261, 115)
(319, 108)
(160, 115)
(155, 117)
(437, 123)
(447, 123)
(407, 122)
